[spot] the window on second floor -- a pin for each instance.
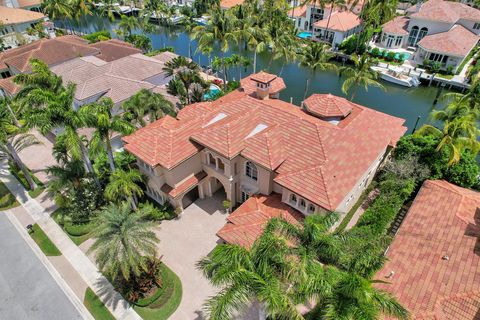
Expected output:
(476, 26)
(251, 170)
(311, 208)
(293, 198)
(303, 204)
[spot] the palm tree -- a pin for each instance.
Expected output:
(57, 9)
(185, 73)
(260, 274)
(124, 185)
(258, 42)
(50, 110)
(127, 24)
(188, 23)
(471, 97)
(354, 297)
(144, 103)
(157, 8)
(98, 115)
(316, 56)
(124, 242)
(456, 136)
(359, 75)
(14, 138)
(333, 4)
(109, 8)
(40, 78)
(219, 28)
(66, 177)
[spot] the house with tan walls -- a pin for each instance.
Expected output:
(252, 147)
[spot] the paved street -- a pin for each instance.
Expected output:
(27, 289)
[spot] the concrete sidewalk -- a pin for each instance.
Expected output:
(85, 268)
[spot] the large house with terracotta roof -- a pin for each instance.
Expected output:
(433, 265)
(327, 24)
(33, 5)
(442, 31)
(254, 147)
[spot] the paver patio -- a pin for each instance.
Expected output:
(183, 242)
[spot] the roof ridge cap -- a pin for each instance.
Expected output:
(325, 186)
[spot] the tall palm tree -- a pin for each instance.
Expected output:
(156, 8)
(146, 103)
(127, 24)
(39, 78)
(124, 242)
(14, 138)
(316, 56)
(471, 97)
(124, 185)
(457, 135)
(333, 4)
(188, 22)
(98, 115)
(66, 177)
(359, 75)
(354, 297)
(50, 110)
(219, 28)
(260, 274)
(57, 9)
(258, 42)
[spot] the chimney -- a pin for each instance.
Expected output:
(263, 90)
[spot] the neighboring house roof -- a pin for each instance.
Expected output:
(298, 12)
(14, 15)
(250, 86)
(227, 4)
(311, 157)
(397, 26)
(9, 86)
(114, 49)
(50, 51)
(118, 79)
(340, 21)
(435, 255)
(328, 105)
(247, 222)
(29, 3)
(457, 41)
(446, 11)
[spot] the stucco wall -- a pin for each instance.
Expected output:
(183, 171)
(432, 26)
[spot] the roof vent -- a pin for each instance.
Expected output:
(390, 275)
(446, 258)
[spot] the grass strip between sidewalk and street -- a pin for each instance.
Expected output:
(42, 240)
(96, 306)
(7, 199)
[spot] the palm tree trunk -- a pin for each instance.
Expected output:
(328, 21)
(111, 160)
(21, 165)
(134, 202)
(14, 117)
(255, 60)
(262, 313)
(88, 162)
(354, 92)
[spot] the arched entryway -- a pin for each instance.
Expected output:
(216, 188)
(190, 197)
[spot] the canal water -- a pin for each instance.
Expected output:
(407, 103)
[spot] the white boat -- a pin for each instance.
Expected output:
(397, 76)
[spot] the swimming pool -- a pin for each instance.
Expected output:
(305, 35)
(404, 55)
(213, 91)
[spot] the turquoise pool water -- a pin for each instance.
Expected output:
(405, 56)
(214, 90)
(304, 35)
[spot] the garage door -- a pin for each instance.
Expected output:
(190, 197)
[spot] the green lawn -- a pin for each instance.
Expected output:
(7, 200)
(35, 193)
(45, 244)
(96, 306)
(78, 233)
(168, 301)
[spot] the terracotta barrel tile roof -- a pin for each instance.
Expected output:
(50, 51)
(263, 77)
(327, 105)
(247, 222)
(249, 84)
(13, 15)
(29, 3)
(340, 21)
(227, 4)
(442, 221)
(185, 186)
(397, 26)
(448, 11)
(316, 158)
(457, 41)
(114, 49)
(9, 86)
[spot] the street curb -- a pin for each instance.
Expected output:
(50, 268)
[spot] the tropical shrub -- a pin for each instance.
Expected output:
(390, 55)
(140, 41)
(98, 36)
(375, 52)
